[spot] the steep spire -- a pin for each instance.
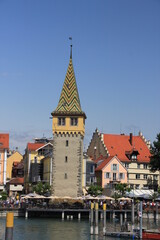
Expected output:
(69, 102)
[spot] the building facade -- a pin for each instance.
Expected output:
(4, 148)
(33, 165)
(68, 132)
(15, 157)
(110, 171)
(132, 151)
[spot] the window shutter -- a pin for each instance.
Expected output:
(111, 167)
(117, 167)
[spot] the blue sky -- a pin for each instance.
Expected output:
(116, 58)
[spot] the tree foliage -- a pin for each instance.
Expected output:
(155, 155)
(41, 188)
(152, 184)
(122, 188)
(3, 195)
(95, 190)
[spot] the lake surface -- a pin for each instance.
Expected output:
(49, 229)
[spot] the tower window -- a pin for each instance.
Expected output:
(65, 176)
(74, 121)
(67, 143)
(61, 121)
(66, 159)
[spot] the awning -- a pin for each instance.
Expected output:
(146, 194)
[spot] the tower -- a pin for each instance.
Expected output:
(68, 133)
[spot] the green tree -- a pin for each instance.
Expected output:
(154, 196)
(122, 188)
(94, 190)
(155, 155)
(3, 195)
(152, 184)
(41, 188)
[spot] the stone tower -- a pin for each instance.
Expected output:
(68, 133)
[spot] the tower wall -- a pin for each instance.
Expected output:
(67, 165)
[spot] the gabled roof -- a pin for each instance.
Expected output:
(69, 102)
(4, 140)
(106, 161)
(34, 146)
(103, 164)
(120, 144)
(45, 145)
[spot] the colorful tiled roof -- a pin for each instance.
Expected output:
(4, 140)
(34, 146)
(69, 102)
(120, 144)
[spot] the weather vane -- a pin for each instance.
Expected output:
(70, 38)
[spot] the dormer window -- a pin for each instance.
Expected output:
(74, 121)
(134, 157)
(61, 121)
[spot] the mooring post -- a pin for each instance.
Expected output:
(96, 219)
(26, 214)
(62, 215)
(125, 216)
(133, 212)
(9, 226)
(156, 211)
(104, 218)
(121, 220)
(79, 216)
(91, 218)
(140, 220)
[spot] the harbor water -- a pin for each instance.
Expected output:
(49, 229)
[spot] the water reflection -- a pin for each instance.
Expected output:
(40, 229)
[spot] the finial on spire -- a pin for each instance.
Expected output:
(70, 38)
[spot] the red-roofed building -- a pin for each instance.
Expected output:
(132, 151)
(110, 171)
(4, 147)
(33, 164)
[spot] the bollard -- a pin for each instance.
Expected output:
(9, 226)
(67, 216)
(104, 218)
(92, 218)
(79, 216)
(96, 219)
(62, 215)
(71, 217)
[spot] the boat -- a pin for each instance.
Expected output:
(150, 234)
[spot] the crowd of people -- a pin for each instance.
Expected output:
(20, 202)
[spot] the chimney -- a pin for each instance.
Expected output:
(131, 138)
